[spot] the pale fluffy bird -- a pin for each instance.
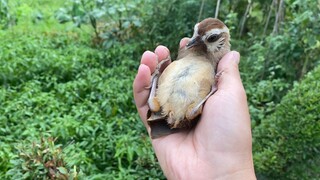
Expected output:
(178, 93)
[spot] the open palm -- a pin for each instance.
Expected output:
(219, 147)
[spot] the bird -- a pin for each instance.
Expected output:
(177, 95)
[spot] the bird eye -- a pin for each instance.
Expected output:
(213, 38)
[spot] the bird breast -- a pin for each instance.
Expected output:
(184, 82)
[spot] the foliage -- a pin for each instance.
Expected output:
(6, 18)
(128, 22)
(277, 60)
(39, 159)
(287, 143)
(114, 21)
(71, 80)
(62, 88)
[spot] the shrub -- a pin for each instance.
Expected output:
(39, 159)
(287, 143)
(60, 87)
(6, 17)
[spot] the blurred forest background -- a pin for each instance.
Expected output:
(66, 72)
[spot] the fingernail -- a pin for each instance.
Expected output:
(235, 56)
(183, 42)
(162, 52)
(147, 52)
(148, 56)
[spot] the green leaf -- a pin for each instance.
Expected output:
(62, 170)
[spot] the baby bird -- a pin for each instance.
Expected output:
(177, 94)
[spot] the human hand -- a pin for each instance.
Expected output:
(219, 147)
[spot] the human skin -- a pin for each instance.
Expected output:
(220, 146)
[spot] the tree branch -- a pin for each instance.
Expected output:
(244, 19)
(201, 9)
(217, 9)
(268, 18)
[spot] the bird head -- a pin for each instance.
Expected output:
(211, 37)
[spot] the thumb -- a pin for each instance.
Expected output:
(230, 79)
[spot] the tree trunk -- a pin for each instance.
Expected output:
(268, 18)
(279, 18)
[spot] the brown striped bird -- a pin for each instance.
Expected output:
(178, 94)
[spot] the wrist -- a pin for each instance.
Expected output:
(238, 167)
(223, 168)
(244, 174)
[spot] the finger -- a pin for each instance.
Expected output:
(140, 83)
(230, 79)
(184, 41)
(163, 53)
(141, 93)
(150, 59)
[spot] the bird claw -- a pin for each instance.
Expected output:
(156, 120)
(152, 101)
(218, 75)
(194, 111)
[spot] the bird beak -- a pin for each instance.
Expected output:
(194, 42)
